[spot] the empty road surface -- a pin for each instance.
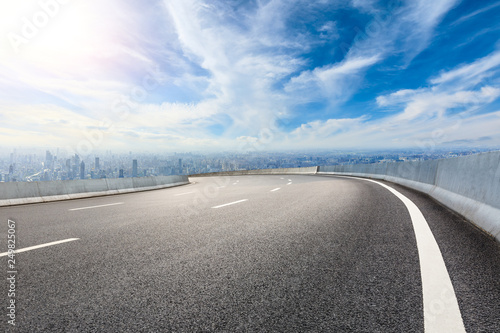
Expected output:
(251, 254)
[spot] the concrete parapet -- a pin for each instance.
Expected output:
(469, 185)
(281, 171)
(18, 193)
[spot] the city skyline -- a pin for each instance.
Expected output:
(192, 75)
(32, 165)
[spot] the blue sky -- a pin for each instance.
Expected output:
(193, 75)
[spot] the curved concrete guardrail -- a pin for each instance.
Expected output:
(469, 185)
(282, 171)
(18, 193)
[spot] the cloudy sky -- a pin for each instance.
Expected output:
(197, 75)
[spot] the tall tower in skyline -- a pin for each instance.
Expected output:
(134, 168)
(49, 159)
(97, 165)
(82, 170)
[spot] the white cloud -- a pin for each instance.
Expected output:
(471, 74)
(338, 82)
(475, 13)
(237, 61)
(442, 114)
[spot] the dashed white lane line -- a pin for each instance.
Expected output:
(282, 178)
(40, 246)
(276, 189)
(90, 207)
(177, 195)
(231, 203)
(289, 180)
(290, 183)
(441, 311)
(220, 187)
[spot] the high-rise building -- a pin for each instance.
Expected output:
(97, 166)
(180, 165)
(121, 174)
(82, 170)
(134, 168)
(48, 160)
(68, 168)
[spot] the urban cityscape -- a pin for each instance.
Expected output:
(27, 165)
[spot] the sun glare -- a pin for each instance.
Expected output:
(56, 35)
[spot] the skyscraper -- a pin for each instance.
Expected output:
(134, 168)
(121, 174)
(180, 165)
(97, 166)
(48, 160)
(82, 170)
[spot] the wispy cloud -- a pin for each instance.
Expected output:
(471, 74)
(475, 13)
(196, 73)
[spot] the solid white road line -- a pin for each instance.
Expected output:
(40, 246)
(231, 203)
(276, 189)
(177, 195)
(441, 311)
(90, 207)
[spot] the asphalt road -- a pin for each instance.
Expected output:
(242, 254)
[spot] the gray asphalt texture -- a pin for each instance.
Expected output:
(323, 254)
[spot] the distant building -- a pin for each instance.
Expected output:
(82, 170)
(49, 159)
(97, 167)
(180, 165)
(134, 168)
(68, 168)
(121, 174)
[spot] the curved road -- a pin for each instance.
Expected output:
(246, 254)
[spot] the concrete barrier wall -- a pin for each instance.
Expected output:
(469, 185)
(282, 171)
(17, 193)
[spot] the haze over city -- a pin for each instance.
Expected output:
(192, 75)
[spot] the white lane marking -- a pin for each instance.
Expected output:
(40, 246)
(290, 183)
(282, 178)
(235, 183)
(177, 195)
(441, 311)
(231, 203)
(90, 207)
(289, 180)
(276, 189)
(220, 187)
